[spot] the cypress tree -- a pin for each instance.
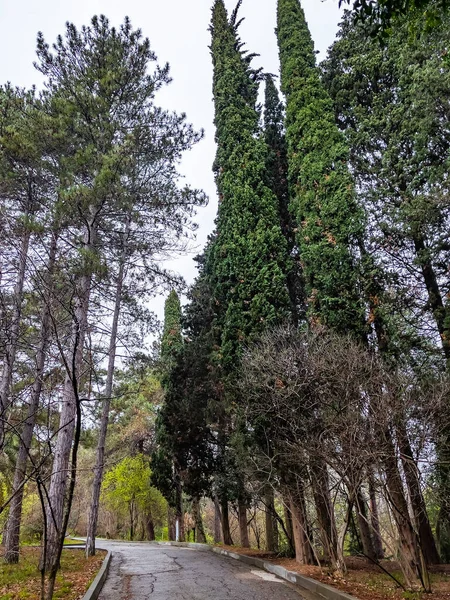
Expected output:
(171, 340)
(249, 262)
(277, 180)
(321, 187)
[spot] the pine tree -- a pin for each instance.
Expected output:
(322, 190)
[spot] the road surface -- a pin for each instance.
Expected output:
(140, 571)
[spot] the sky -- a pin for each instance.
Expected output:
(178, 33)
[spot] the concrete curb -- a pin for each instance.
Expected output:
(96, 586)
(311, 585)
(195, 545)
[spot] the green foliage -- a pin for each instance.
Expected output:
(248, 261)
(322, 191)
(126, 488)
(171, 341)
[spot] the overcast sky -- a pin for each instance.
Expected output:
(178, 32)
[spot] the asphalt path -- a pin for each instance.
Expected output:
(141, 570)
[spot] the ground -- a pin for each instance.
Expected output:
(363, 580)
(22, 581)
(141, 571)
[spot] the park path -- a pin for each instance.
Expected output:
(141, 571)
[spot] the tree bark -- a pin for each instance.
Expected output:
(303, 551)
(13, 334)
(413, 566)
(325, 515)
(170, 524)
(217, 521)
(199, 529)
(411, 472)
(100, 457)
(150, 527)
(243, 527)
(226, 534)
(288, 521)
(374, 520)
(12, 531)
(364, 526)
(270, 521)
(73, 364)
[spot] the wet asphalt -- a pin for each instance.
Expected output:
(139, 571)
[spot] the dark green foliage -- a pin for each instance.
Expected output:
(248, 262)
(171, 341)
(392, 103)
(277, 180)
(389, 102)
(322, 190)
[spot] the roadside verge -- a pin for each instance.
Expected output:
(96, 586)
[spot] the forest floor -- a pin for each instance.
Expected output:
(363, 580)
(21, 581)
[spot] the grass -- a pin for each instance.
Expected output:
(22, 581)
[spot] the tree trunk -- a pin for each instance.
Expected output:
(73, 364)
(288, 522)
(100, 457)
(411, 472)
(411, 561)
(303, 551)
(243, 528)
(12, 532)
(325, 516)
(374, 520)
(13, 335)
(179, 513)
(364, 526)
(150, 527)
(199, 529)
(171, 524)
(226, 534)
(217, 521)
(270, 521)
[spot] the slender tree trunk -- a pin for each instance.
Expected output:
(303, 551)
(179, 513)
(243, 527)
(12, 534)
(374, 519)
(364, 526)
(13, 336)
(217, 521)
(411, 471)
(325, 515)
(411, 558)
(288, 521)
(100, 457)
(171, 524)
(200, 530)
(74, 364)
(270, 521)
(150, 527)
(226, 534)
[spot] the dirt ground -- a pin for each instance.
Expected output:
(363, 580)
(23, 580)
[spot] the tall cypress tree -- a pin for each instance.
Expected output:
(277, 179)
(322, 190)
(249, 262)
(171, 340)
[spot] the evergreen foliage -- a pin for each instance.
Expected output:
(248, 262)
(322, 191)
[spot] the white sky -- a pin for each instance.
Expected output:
(178, 32)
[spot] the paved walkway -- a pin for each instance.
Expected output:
(142, 570)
